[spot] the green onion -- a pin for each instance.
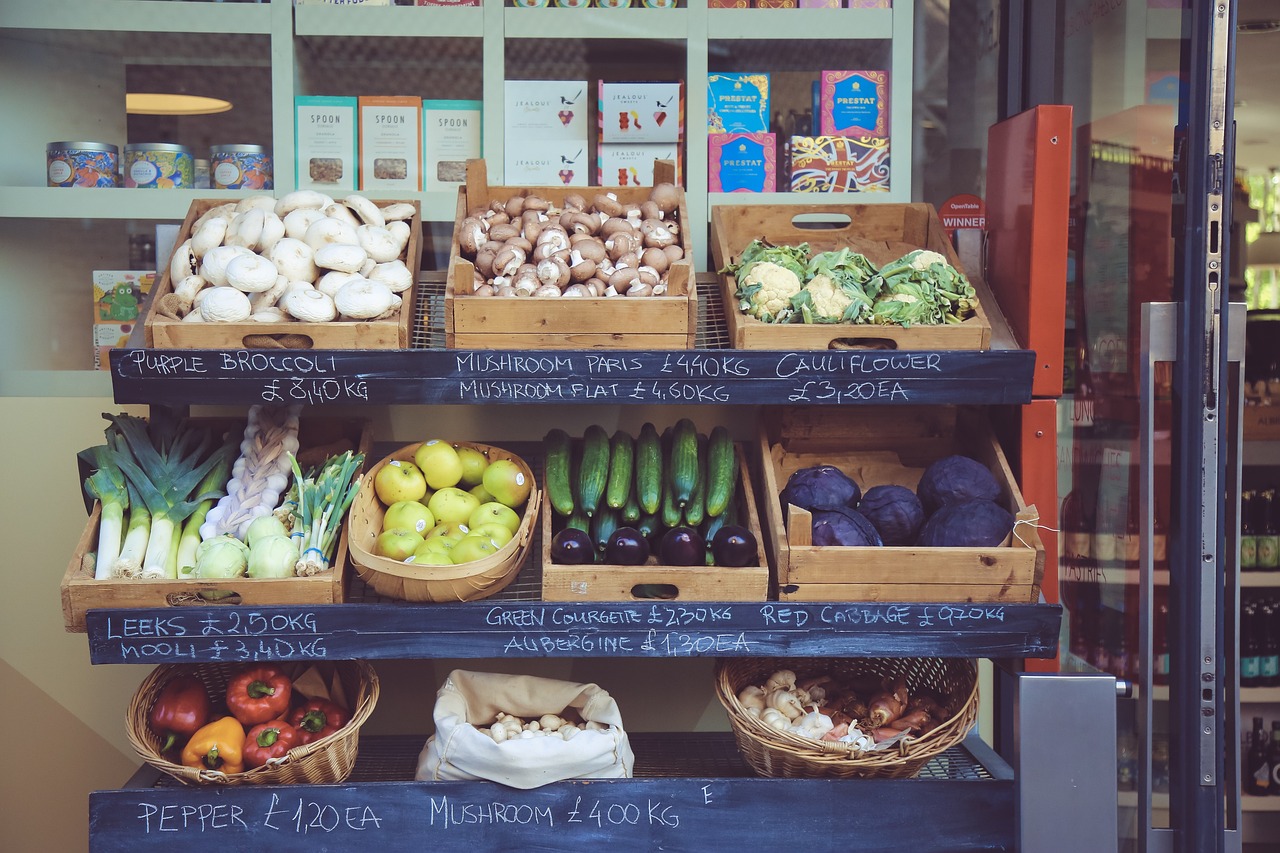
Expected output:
(323, 500)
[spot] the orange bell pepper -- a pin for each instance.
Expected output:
(217, 746)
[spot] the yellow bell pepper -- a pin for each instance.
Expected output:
(217, 746)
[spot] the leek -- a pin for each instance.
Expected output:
(107, 485)
(214, 483)
(129, 563)
(168, 468)
(323, 500)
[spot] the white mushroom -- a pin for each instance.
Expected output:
(193, 317)
(363, 299)
(209, 236)
(183, 263)
(187, 289)
(251, 273)
(272, 232)
(296, 222)
(223, 211)
(301, 200)
(294, 259)
(256, 202)
(213, 267)
(368, 266)
(399, 230)
(364, 208)
(398, 211)
(331, 282)
(379, 243)
(268, 298)
(310, 305)
(344, 257)
(225, 305)
(338, 210)
(394, 274)
(246, 228)
(330, 230)
(268, 315)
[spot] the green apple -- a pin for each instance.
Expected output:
(506, 482)
(473, 464)
(398, 545)
(426, 556)
(472, 547)
(408, 515)
(447, 530)
(399, 481)
(481, 493)
(494, 530)
(439, 463)
(453, 505)
(495, 511)
(439, 544)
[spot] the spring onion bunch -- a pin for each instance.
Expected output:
(323, 498)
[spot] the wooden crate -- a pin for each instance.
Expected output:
(882, 232)
(600, 582)
(164, 333)
(666, 322)
(81, 592)
(890, 445)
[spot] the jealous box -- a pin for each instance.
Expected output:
(883, 445)
(882, 232)
(538, 322)
(164, 332)
(81, 592)
(599, 582)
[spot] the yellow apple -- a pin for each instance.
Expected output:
(447, 530)
(451, 504)
(472, 547)
(429, 556)
(399, 481)
(496, 532)
(439, 463)
(439, 544)
(473, 464)
(408, 515)
(481, 493)
(495, 512)
(506, 482)
(398, 545)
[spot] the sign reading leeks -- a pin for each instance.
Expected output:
(604, 629)
(747, 377)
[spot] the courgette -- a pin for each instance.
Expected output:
(621, 466)
(594, 471)
(648, 465)
(631, 509)
(557, 449)
(722, 470)
(684, 461)
(603, 523)
(648, 525)
(695, 509)
(579, 521)
(669, 512)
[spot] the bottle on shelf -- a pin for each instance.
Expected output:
(1273, 757)
(1250, 652)
(1258, 780)
(1160, 639)
(1266, 532)
(1248, 534)
(1268, 643)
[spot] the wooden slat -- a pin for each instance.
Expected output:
(908, 592)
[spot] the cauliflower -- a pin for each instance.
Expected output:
(822, 301)
(766, 291)
(922, 259)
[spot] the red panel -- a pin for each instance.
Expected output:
(1028, 189)
(1039, 468)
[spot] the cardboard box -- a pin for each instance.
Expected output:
(106, 336)
(547, 163)
(451, 135)
(619, 165)
(545, 110)
(878, 445)
(738, 103)
(117, 294)
(838, 164)
(326, 143)
(391, 143)
(854, 103)
(742, 163)
(641, 112)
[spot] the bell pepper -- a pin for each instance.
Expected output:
(259, 693)
(181, 708)
(216, 746)
(317, 718)
(272, 739)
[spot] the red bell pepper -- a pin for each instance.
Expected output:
(272, 739)
(180, 710)
(317, 718)
(259, 693)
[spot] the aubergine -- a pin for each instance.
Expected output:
(626, 547)
(572, 546)
(734, 546)
(682, 546)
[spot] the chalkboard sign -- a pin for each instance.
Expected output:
(605, 629)
(676, 814)
(710, 377)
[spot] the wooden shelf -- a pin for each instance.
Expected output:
(390, 21)
(799, 24)
(551, 23)
(143, 16)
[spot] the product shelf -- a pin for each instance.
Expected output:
(411, 21)
(690, 792)
(799, 23)
(138, 16)
(117, 203)
(551, 23)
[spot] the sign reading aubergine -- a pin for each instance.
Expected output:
(748, 377)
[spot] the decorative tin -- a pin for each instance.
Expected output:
(82, 164)
(157, 165)
(240, 167)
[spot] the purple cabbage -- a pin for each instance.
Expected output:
(895, 511)
(967, 524)
(843, 526)
(820, 486)
(956, 478)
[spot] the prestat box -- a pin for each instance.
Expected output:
(836, 164)
(742, 163)
(738, 103)
(854, 103)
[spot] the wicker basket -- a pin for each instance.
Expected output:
(463, 582)
(329, 759)
(779, 754)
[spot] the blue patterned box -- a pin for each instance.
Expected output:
(839, 164)
(854, 103)
(738, 103)
(742, 163)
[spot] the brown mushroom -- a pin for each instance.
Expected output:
(531, 222)
(656, 233)
(471, 236)
(506, 290)
(504, 232)
(582, 223)
(577, 290)
(623, 279)
(620, 244)
(596, 286)
(508, 260)
(553, 271)
(526, 277)
(614, 226)
(514, 205)
(608, 203)
(674, 252)
(484, 262)
(547, 290)
(574, 201)
(666, 196)
(650, 210)
(483, 290)
(656, 259)
(533, 202)
(580, 268)
(592, 249)
(640, 289)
